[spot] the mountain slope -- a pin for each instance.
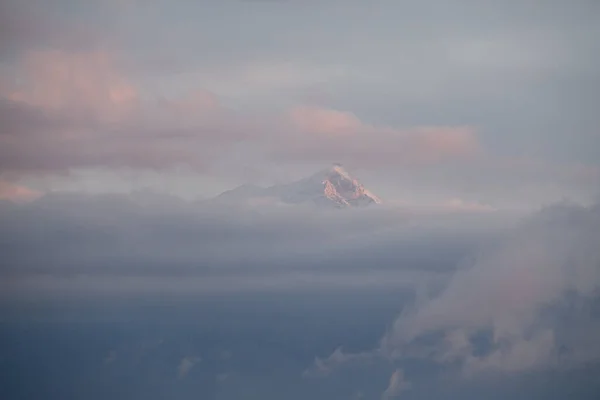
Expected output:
(333, 186)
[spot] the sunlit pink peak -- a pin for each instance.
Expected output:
(332, 186)
(344, 190)
(339, 169)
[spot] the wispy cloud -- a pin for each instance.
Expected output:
(505, 312)
(80, 110)
(325, 366)
(397, 386)
(192, 248)
(186, 364)
(82, 84)
(507, 293)
(25, 26)
(17, 193)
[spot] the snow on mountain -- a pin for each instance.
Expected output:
(333, 186)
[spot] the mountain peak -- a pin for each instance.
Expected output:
(337, 168)
(333, 186)
(342, 188)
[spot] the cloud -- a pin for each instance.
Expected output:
(512, 295)
(397, 385)
(84, 112)
(323, 367)
(17, 193)
(521, 354)
(27, 26)
(78, 110)
(326, 134)
(524, 302)
(324, 121)
(461, 205)
(152, 244)
(462, 93)
(186, 364)
(85, 83)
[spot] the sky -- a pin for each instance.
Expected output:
(425, 102)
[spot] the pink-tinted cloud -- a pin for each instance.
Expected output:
(438, 143)
(323, 135)
(507, 291)
(78, 110)
(74, 110)
(86, 84)
(17, 193)
(324, 121)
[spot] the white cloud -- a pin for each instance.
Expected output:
(397, 385)
(522, 305)
(325, 366)
(510, 292)
(516, 355)
(186, 364)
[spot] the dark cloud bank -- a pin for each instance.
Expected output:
(145, 296)
(146, 236)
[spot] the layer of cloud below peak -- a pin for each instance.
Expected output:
(528, 303)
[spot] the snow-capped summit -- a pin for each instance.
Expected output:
(337, 186)
(333, 186)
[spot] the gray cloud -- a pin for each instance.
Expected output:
(550, 262)
(186, 364)
(84, 243)
(325, 366)
(489, 301)
(397, 385)
(30, 24)
(527, 303)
